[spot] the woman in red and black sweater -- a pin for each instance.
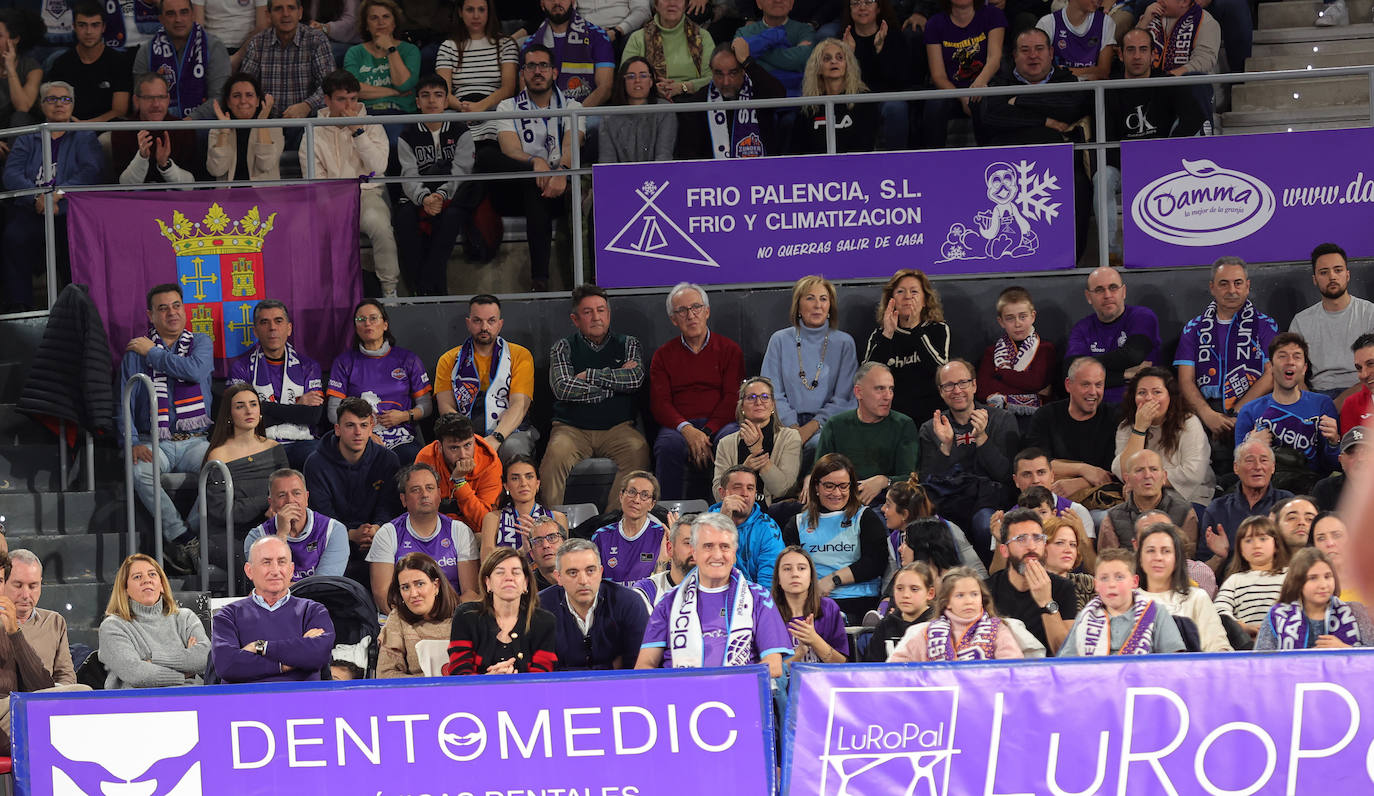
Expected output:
(507, 632)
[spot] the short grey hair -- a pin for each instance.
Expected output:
(52, 84)
(285, 472)
(683, 287)
(265, 304)
(717, 522)
(26, 556)
(1229, 259)
(148, 77)
(1082, 362)
(575, 546)
(1143, 521)
(867, 368)
(1249, 443)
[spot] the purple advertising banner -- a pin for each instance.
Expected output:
(1265, 198)
(952, 211)
(624, 734)
(1290, 722)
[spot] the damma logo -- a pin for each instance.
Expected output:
(867, 752)
(1203, 205)
(126, 754)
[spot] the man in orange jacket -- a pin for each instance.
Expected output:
(468, 467)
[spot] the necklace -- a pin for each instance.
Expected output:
(801, 368)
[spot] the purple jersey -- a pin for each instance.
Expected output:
(439, 547)
(964, 50)
(1092, 337)
(308, 548)
(1073, 51)
(627, 560)
(770, 633)
(830, 626)
(393, 381)
(268, 375)
(508, 525)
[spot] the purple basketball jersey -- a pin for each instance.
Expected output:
(439, 547)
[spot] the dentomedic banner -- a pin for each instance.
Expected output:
(627, 734)
(950, 211)
(1230, 725)
(1265, 198)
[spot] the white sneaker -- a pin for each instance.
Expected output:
(1333, 15)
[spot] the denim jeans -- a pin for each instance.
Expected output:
(173, 456)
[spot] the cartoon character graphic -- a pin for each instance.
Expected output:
(1019, 197)
(1005, 229)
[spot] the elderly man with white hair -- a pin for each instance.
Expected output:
(1254, 495)
(715, 617)
(693, 390)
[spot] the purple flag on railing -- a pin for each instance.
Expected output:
(228, 248)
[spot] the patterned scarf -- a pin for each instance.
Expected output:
(743, 139)
(1094, 631)
(653, 44)
(576, 65)
(1289, 622)
(1175, 49)
(1240, 365)
(685, 639)
(1008, 354)
(192, 417)
(467, 384)
(547, 142)
(188, 81)
(978, 643)
(293, 383)
(115, 35)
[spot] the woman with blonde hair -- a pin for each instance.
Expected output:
(912, 339)
(763, 443)
(811, 362)
(146, 641)
(832, 70)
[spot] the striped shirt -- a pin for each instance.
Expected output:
(1247, 596)
(478, 73)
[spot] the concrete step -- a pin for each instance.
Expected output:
(1301, 96)
(1334, 47)
(20, 429)
(62, 512)
(1272, 63)
(1341, 116)
(84, 558)
(1299, 13)
(33, 468)
(1290, 127)
(1357, 31)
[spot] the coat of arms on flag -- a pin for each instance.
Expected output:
(220, 269)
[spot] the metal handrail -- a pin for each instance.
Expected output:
(216, 464)
(126, 412)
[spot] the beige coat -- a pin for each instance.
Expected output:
(784, 461)
(396, 656)
(341, 155)
(223, 156)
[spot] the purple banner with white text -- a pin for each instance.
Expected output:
(1264, 198)
(1162, 724)
(621, 734)
(952, 211)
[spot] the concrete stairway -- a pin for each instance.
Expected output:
(1287, 39)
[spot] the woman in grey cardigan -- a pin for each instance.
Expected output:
(642, 137)
(146, 641)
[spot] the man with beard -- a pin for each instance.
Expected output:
(422, 529)
(1330, 325)
(1291, 417)
(1078, 433)
(1359, 407)
(744, 133)
(600, 624)
(582, 54)
(490, 380)
(192, 62)
(760, 539)
(1025, 590)
(1124, 338)
(677, 553)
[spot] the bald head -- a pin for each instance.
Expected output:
(1106, 292)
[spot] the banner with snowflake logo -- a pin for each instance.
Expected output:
(954, 211)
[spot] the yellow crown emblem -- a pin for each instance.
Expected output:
(217, 233)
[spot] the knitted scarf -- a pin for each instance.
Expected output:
(1175, 49)
(653, 43)
(743, 139)
(192, 417)
(467, 385)
(1008, 354)
(1289, 622)
(1240, 364)
(187, 80)
(977, 643)
(537, 136)
(1094, 631)
(293, 384)
(685, 639)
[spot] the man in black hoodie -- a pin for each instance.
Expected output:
(351, 478)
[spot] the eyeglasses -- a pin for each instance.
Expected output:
(758, 397)
(1028, 538)
(539, 67)
(54, 100)
(1102, 290)
(951, 386)
(692, 309)
(636, 75)
(367, 319)
(552, 539)
(829, 486)
(636, 493)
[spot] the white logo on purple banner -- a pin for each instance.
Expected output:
(651, 233)
(126, 753)
(1203, 205)
(862, 757)
(1019, 196)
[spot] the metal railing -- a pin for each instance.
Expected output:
(126, 412)
(216, 464)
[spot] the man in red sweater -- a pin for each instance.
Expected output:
(694, 386)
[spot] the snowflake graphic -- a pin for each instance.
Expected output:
(1033, 198)
(648, 188)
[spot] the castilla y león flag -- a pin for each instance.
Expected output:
(228, 249)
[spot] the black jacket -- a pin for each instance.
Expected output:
(1158, 110)
(618, 621)
(694, 135)
(70, 375)
(1000, 121)
(353, 494)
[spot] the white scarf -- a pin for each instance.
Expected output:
(290, 391)
(744, 139)
(537, 136)
(1094, 631)
(685, 639)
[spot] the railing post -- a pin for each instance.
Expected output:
(90, 462)
(829, 125)
(205, 524)
(308, 167)
(1106, 219)
(62, 455)
(575, 214)
(49, 208)
(126, 411)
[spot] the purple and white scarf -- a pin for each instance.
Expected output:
(1176, 48)
(187, 82)
(1234, 370)
(186, 396)
(1094, 631)
(293, 385)
(467, 384)
(977, 643)
(1008, 354)
(1289, 622)
(744, 138)
(115, 35)
(685, 638)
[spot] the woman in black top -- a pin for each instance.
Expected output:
(912, 339)
(886, 63)
(832, 70)
(507, 632)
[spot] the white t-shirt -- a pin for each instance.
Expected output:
(231, 21)
(383, 550)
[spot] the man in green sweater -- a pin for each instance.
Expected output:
(882, 444)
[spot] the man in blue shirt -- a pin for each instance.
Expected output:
(179, 363)
(760, 539)
(1290, 416)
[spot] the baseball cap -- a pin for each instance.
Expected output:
(1352, 438)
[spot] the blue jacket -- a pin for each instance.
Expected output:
(760, 544)
(80, 161)
(197, 367)
(618, 620)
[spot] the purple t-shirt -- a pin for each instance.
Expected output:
(577, 61)
(830, 626)
(1092, 337)
(388, 382)
(770, 634)
(965, 50)
(627, 560)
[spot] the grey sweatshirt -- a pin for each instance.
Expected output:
(151, 651)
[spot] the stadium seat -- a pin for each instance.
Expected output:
(590, 482)
(684, 506)
(578, 513)
(433, 655)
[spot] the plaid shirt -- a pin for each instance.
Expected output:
(600, 383)
(293, 72)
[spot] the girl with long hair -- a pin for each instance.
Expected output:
(1254, 578)
(518, 509)
(1309, 614)
(815, 622)
(1163, 570)
(422, 606)
(966, 627)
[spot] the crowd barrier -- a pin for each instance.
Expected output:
(1105, 206)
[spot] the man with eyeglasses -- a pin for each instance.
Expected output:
(99, 74)
(881, 443)
(599, 624)
(760, 540)
(629, 546)
(1044, 602)
(148, 153)
(1123, 338)
(723, 133)
(489, 380)
(693, 388)
(542, 548)
(190, 59)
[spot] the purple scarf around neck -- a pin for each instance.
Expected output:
(186, 396)
(188, 81)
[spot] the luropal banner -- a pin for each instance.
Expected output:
(1225, 725)
(951, 211)
(626, 734)
(1265, 198)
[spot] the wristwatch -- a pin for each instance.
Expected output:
(391, 49)
(837, 581)
(1050, 607)
(260, 647)
(498, 436)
